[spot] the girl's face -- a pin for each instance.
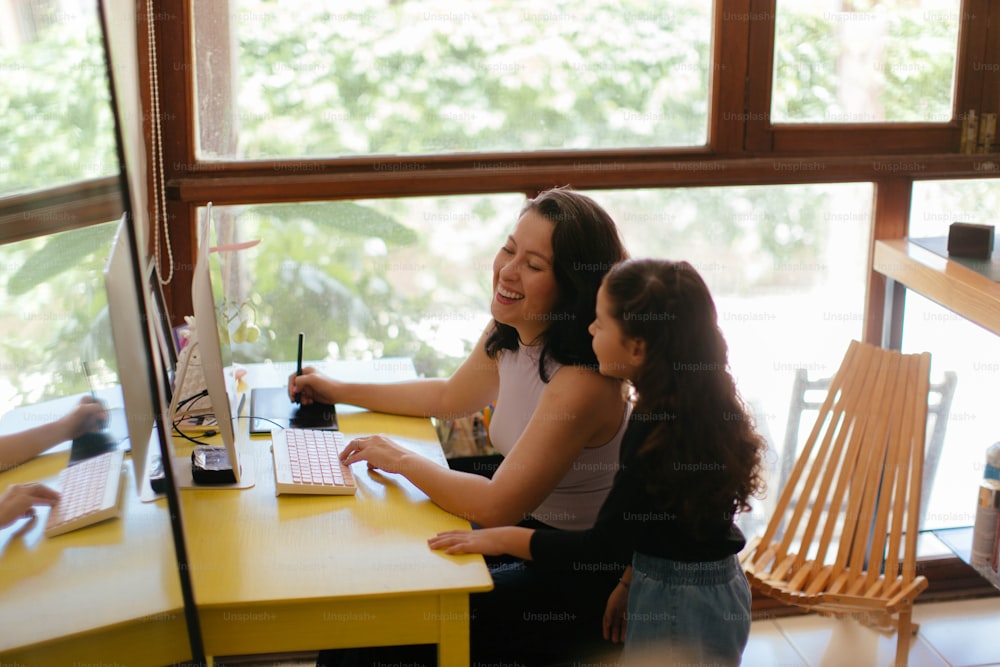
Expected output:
(617, 355)
(524, 283)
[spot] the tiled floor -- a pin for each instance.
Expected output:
(952, 634)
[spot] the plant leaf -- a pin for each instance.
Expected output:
(61, 252)
(343, 216)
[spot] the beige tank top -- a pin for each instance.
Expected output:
(575, 501)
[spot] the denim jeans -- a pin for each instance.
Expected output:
(694, 613)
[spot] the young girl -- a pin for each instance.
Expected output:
(690, 461)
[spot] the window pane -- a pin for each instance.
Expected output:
(937, 204)
(959, 347)
(54, 314)
(787, 268)
(971, 353)
(55, 115)
(426, 76)
(864, 61)
(384, 277)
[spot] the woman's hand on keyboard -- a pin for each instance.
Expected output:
(380, 452)
(312, 387)
(19, 501)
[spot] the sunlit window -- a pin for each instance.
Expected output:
(937, 204)
(427, 76)
(54, 313)
(864, 61)
(959, 347)
(786, 266)
(411, 277)
(55, 118)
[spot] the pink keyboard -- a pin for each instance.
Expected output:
(90, 492)
(307, 461)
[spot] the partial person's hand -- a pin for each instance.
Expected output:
(484, 541)
(19, 501)
(380, 452)
(614, 615)
(89, 416)
(312, 387)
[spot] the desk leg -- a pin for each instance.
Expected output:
(453, 649)
(892, 314)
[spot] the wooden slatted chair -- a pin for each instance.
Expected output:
(843, 537)
(807, 395)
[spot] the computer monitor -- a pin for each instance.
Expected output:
(219, 381)
(130, 330)
(120, 46)
(162, 328)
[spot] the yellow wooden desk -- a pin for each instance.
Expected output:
(108, 594)
(301, 573)
(950, 284)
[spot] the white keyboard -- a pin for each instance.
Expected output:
(307, 461)
(90, 492)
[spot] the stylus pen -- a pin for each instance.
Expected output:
(90, 380)
(298, 366)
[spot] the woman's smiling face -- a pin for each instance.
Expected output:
(524, 283)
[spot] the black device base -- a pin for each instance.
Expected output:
(211, 465)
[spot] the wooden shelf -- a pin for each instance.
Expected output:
(950, 284)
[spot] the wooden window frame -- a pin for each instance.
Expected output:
(743, 147)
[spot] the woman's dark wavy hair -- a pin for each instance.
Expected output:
(585, 245)
(702, 457)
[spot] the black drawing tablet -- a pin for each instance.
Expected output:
(271, 409)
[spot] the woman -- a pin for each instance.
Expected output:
(558, 422)
(690, 461)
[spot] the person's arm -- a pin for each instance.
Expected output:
(512, 540)
(612, 539)
(17, 448)
(615, 621)
(473, 386)
(19, 501)
(565, 420)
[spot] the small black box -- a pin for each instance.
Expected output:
(210, 465)
(966, 239)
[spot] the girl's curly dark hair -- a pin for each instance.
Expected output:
(703, 456)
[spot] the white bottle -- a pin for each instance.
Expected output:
(992, 470)
(984, 532)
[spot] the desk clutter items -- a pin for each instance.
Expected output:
(986, 531)
(91, 492)
(466, 436)
(966, 239)
(992, 469)
(190, 405)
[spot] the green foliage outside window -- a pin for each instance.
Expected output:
(311, 83)
(413, 77)
(55, 119)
